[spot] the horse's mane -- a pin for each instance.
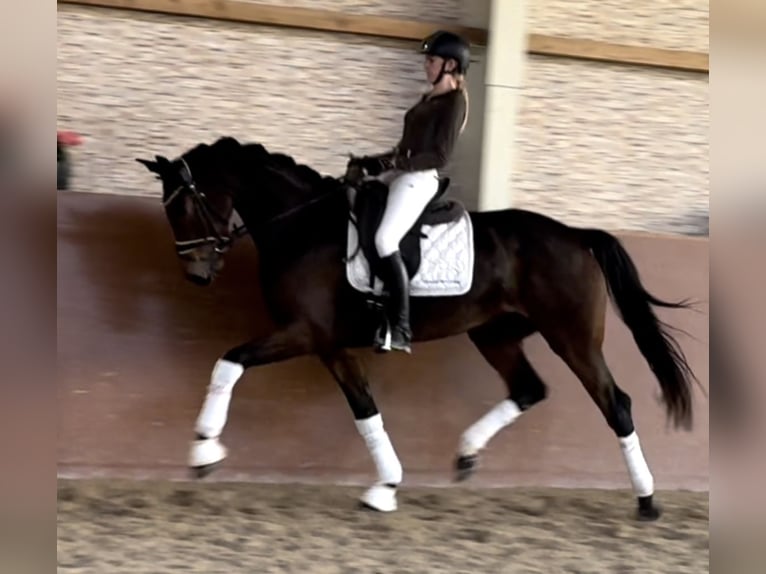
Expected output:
(306, 175)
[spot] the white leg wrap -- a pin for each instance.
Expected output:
(206, 452)
(640, 476)
(381, 497)
(212, 417)
(479, 433)
(381, 449)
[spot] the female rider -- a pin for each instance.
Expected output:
(431, 129)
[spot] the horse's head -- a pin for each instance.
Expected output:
(198, 201)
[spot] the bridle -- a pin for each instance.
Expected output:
(206, 213)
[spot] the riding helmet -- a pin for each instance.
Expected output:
(448, 45)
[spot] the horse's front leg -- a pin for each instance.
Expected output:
(349, 374)
(207, 451)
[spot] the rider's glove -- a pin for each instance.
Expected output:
(374, 166)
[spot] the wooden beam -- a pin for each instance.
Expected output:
(617, 53)
(396, 28)
(306, 18)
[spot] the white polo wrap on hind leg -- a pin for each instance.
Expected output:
(380, 447)
(212, 417)
(479, 433)
(640, 475)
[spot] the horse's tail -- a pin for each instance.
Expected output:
(659, 348)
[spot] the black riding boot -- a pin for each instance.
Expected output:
(398, 284)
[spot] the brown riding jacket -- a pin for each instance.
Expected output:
(431, 129)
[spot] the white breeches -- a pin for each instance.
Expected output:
(408, 195)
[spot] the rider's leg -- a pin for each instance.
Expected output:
(409, 193)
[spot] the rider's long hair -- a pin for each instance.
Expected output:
(461, 85)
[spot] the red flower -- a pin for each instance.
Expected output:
(68, 138)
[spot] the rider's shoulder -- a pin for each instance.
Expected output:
(451, 97)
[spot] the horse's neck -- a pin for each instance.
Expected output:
(301, 224)
(265, 196)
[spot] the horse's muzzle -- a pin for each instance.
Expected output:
(202, 272)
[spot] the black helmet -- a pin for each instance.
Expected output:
(448, 45)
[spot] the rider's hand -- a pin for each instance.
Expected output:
(374, 166)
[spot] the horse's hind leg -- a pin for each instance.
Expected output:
(348, 372)
(615, 405)
(578, 342)
(499, 341)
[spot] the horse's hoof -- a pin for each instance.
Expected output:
(647, 510)
(205, 455)
(465, 466)
(200, 472)
(380, 497)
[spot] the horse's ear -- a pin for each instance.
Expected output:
(159, 166)
(152, 166)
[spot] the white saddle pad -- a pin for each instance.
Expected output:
(446, 267)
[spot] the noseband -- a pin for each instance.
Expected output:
(206, 213)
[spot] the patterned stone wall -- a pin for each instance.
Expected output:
(614, 145)
(618, 146)
(674, 24)
(426, 10)
(137, 84)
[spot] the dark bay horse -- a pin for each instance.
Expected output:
(531, 274)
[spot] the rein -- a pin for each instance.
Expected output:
(206, 213)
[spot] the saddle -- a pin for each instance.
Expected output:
(367, 213)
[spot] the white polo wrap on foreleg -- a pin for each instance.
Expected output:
(380, 447)
(215, 409)
(479, 433)
(640, 475)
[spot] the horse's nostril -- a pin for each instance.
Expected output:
(199, 280)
